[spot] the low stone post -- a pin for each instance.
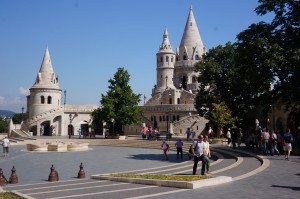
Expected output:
(53, 176)
(13, 177)
(81, 173)
(2, 178)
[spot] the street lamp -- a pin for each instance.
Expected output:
(65, 98)
(168, 134)
(70, 126)
(22, 113)
(166, 81)
(113, 123)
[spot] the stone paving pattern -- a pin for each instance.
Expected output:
(280, 180)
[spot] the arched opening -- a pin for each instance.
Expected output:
(46, 129)
(178, 100)
(184, 82)
(49, 101)
(42, 100)
(170, 100)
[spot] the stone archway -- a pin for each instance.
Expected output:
(46, 129)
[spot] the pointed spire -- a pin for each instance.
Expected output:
(191, 39)
(166, 45)
(46, 76)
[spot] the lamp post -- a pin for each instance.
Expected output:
(22, 114)
(70, 126)
(113, 125)
(168, 134)
(65, 98)
(166, 81)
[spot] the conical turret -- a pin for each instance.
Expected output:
(46, 76)
(191, 45)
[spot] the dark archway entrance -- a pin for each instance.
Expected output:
(46, 130)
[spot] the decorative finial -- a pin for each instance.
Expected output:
(191, 8)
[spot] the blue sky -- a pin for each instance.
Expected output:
(89, 39)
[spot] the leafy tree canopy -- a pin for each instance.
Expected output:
(119, 103)
(261, 67)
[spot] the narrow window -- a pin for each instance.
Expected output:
(184, 57)
(178, 100)
(161, 59)
(197, 57)
(42, 100)
(172, 59)
(160, 119)
(49, 100)
(167, 58)
(170, 100)
(177, 117)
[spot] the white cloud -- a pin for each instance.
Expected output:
(2, 100)
(17, 100)
(24, 91)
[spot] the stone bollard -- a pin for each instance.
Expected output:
(13, 177)
(81, 173)
(3, 180)
(53, 176)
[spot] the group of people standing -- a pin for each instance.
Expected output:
(149, 133)
(200, 152)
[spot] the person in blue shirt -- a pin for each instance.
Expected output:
(198, 153)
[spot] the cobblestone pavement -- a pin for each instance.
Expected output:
(280, 180)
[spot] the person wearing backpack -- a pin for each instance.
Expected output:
(198, 154)
(178, 146)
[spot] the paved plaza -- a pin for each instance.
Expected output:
(280, 179)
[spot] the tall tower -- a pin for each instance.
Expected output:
(189, 52)
(45, 94)
(165, 65)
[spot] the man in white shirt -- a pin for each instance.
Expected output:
(5, 146)
(198, 153)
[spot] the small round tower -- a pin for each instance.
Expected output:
(165, 65)
(45, 94)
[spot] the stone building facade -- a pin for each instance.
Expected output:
(47, 115)
(171, 106)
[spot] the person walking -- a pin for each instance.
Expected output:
(206, 153)
(188, 134)
(273, 143)
(266, 139)
(198, 154)
(165, 148)
(178, 146)
(287, 144)
(193, 133)
(5, 144)
(228, 135)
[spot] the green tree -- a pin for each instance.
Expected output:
(3, 126)
(240, 74)
(119, 103)
(220, 116)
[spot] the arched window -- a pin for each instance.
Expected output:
(160, 119)
(172, 59)
(49, 100)
(177, 117)
(184, 57)
(178, 100)
(42, 100)
(170, 100)
(197, 57)
(161, 59)
(174, 118)
(167, 58)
